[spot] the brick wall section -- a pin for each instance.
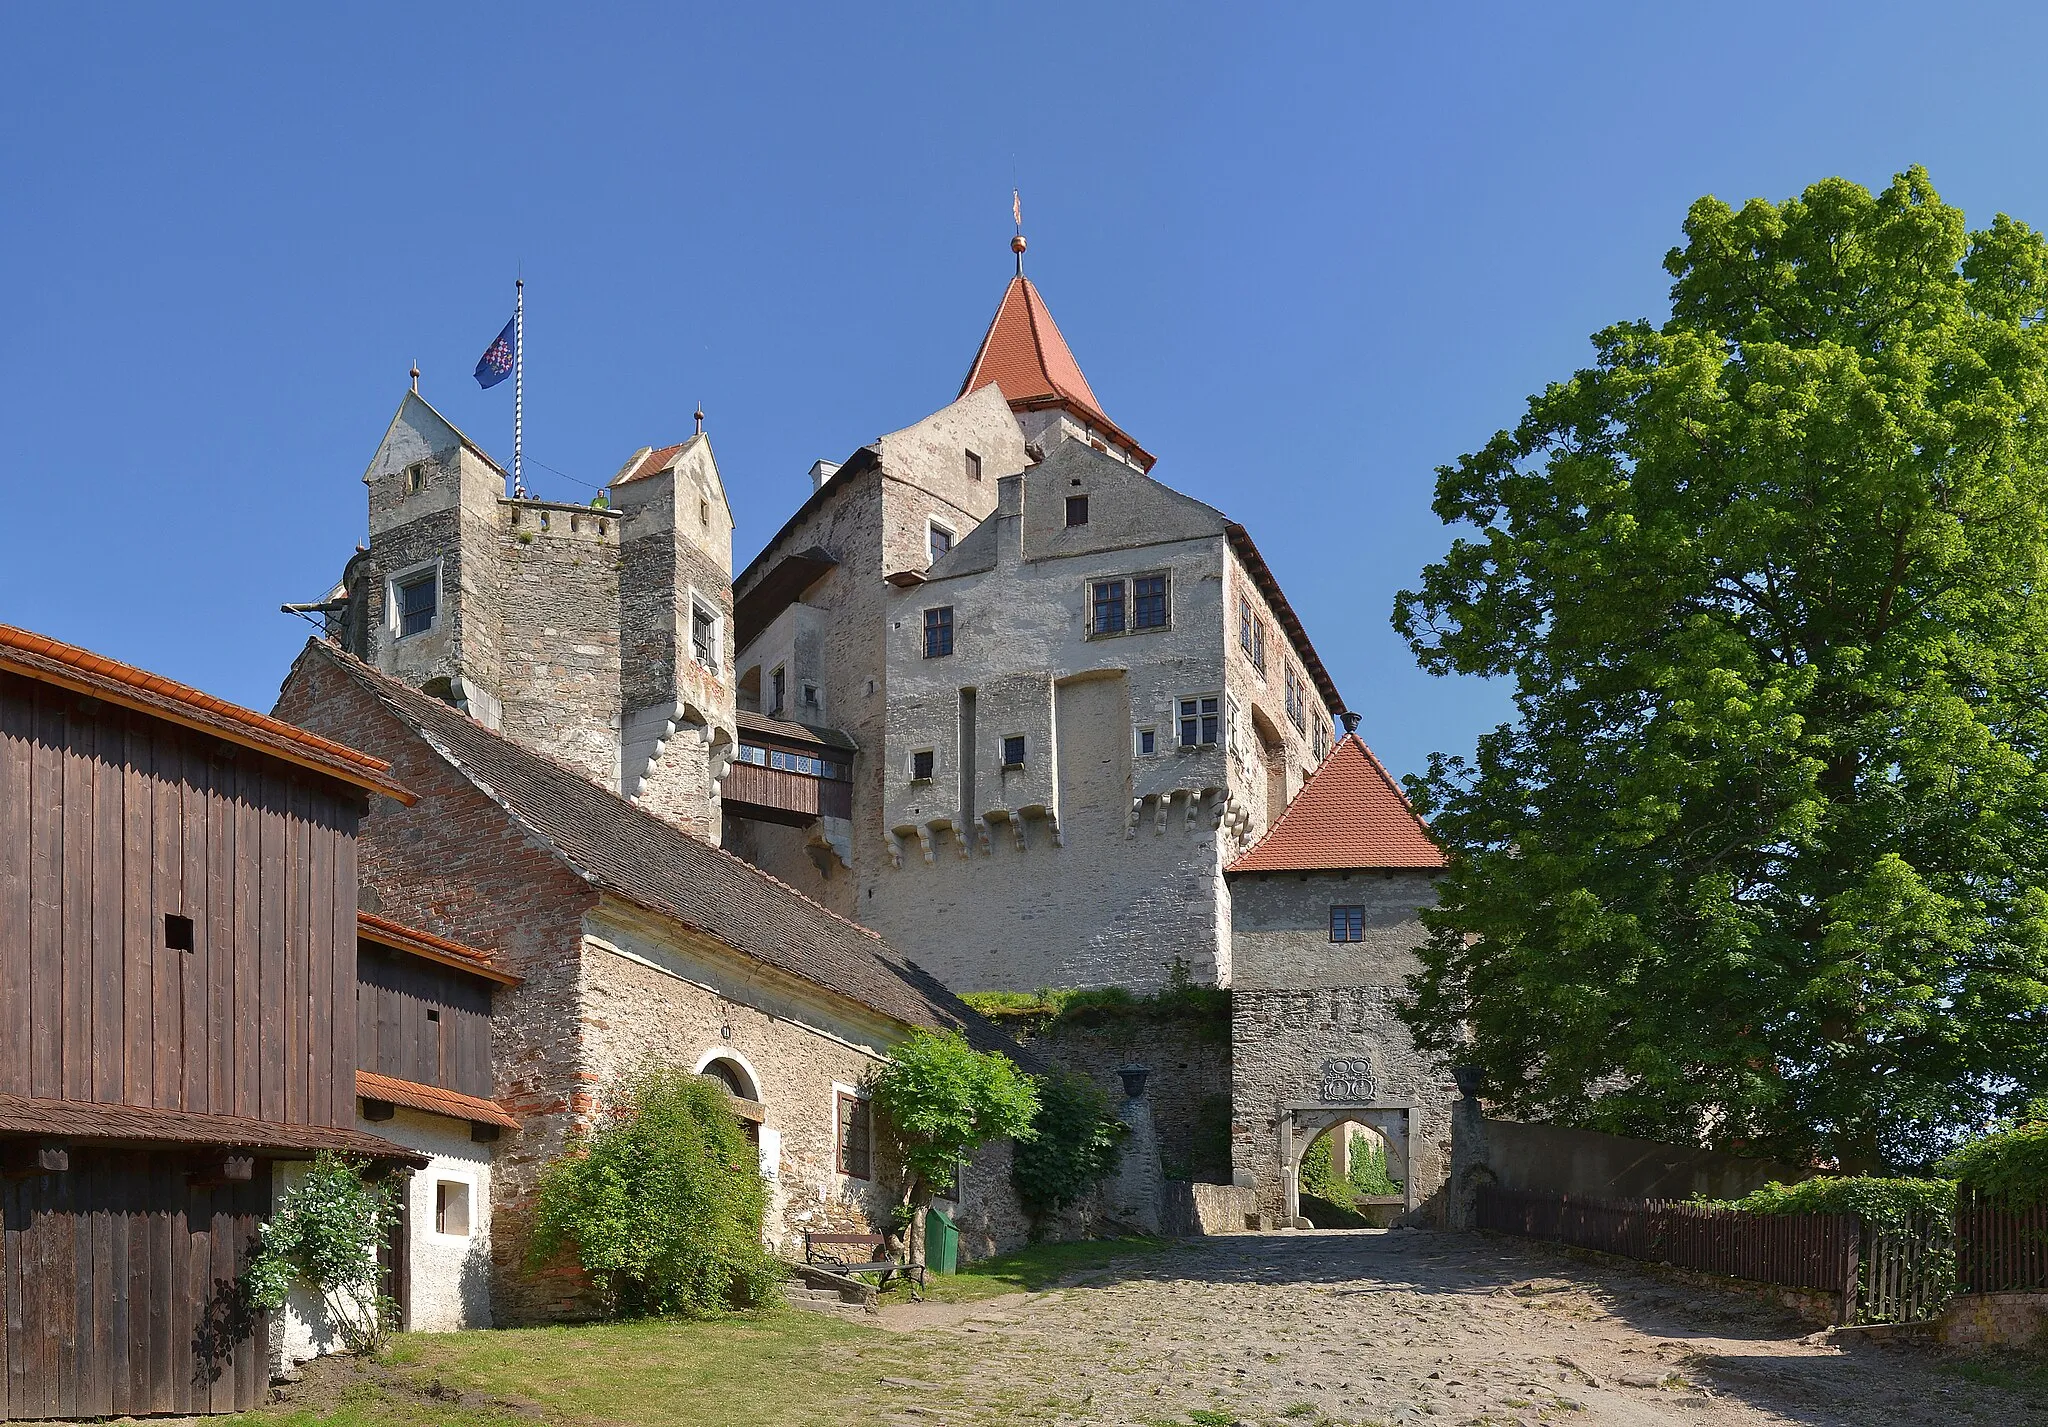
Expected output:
(1994, 1320)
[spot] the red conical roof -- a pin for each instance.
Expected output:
(1025, 355)
(1349, 816)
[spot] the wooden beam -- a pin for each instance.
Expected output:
(217, 1170)
(21, 1159)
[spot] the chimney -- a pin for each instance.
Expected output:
(821, 472)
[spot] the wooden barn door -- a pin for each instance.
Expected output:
(117, 1290)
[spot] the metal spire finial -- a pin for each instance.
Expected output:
(1017, 244)
(700, 418)
(415, 376)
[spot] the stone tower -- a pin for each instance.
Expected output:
(598, 635)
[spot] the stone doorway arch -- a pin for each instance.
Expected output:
(1301, 1123)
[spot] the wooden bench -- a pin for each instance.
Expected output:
(872, 1242)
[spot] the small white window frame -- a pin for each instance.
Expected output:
(469, 1186)
(710, 607)
(933, 523)
(394, 617)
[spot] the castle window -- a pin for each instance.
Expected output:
(1148, 741)
(416, 478)
(1148, 602)
(973, 466)
(1013, 751)
(704, 513)
(1259, 645)
(777, 686)
(1077, 510)
(1199, 717)
(1297, 700)
(856, 1136)
(704, 634)
(1347, 924)
(921, 766)
(938, 632)
(938, 539)
(451, 1208)
(1108, 600)
(1244, 625)
(810, 695)
(417, 603)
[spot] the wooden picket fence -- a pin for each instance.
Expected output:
(2000, 1250)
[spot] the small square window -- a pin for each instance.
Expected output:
(416, 478)
(921, 765)
(1347, 924)
(1108, 597)
(938, 632)
(451, 1207)
(810, 696)
(1148, 602)
(1148, 741)
(177, 932)
(1077, 510)
(1013, 751)
(940, 540)
(973, 466)
(416, 604)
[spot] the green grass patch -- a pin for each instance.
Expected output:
(2022, 1373)
(1205, 1010)
(1030, 1270)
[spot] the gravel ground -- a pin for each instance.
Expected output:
(1409, 1326)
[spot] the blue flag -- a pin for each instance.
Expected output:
(496, 363)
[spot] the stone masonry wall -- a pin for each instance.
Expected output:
(1189, 1086)
(559, 620)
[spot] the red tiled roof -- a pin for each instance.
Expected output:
(385, 932)
(433, 1099)
(1349, 816)
(1025, 355)
(49, 661)
(650, 463)
(79, 1120)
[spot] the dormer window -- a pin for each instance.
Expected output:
(1077, 510)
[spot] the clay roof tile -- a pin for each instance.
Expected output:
(1350, 816)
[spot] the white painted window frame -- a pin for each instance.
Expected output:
(711, 608)
(931, 523)
(394, 618)
(436, 1177)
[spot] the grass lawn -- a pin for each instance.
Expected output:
(801, 1369)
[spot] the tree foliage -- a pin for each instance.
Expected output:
(2010, 1164)
(945, 1100)
(1760, 859)
(324, 1233)
(662, 1201)
(1075, 1143)
(1885, 1202)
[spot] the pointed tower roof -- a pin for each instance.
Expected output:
(1349, 817)
(1027, 358)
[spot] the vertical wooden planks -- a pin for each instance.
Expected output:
(120, 1333)
(220, 938)
(17, 741)
(320, 1006)
(273, 951)
(298, 1003)
(138, 938)
(248, 1022)
(46, 900)
(15, 1398)
(196, 901)
(342, 991)
(109, 1019)
(79, 753)
(163, 892)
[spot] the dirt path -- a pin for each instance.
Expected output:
(1410, 1326)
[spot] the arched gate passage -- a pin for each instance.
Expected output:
(1299, 1124)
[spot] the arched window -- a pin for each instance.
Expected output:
(731, 1076)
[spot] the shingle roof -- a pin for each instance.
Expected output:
(50, 661)
(1349, 816)
(649, 463)
(79, 1120)
(767, 727)
(633, 855)
(1024, 354)
(385, 932)
(433, 1099)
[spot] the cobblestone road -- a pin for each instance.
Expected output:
(1412, 1326)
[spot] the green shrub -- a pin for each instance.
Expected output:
(325, 1232)
(2009, 1165)
(662, 1201)
(1366, 1177)
(1886, 1202)
(1075, 1143)
(1204, 1010)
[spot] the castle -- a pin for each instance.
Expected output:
(992, 690)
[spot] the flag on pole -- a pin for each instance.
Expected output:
(496, 363)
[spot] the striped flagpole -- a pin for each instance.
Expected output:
(518, 381)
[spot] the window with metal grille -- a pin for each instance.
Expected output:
(855, 1133)
(921, 764)
(1013, 751)
(1199, 717)
(704, 639)
(416, 605)
(1077, 510)
(1148, 602)
(1109, 607)
(1347, 924)
(938, 632)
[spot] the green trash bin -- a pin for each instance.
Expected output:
(941, 1243)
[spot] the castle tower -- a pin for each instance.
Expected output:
(597, 635)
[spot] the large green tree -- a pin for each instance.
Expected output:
(1761, 858)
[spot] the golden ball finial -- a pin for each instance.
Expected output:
(1017, 243)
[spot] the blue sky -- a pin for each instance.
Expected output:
(1306, 254)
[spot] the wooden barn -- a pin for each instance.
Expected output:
(178, 989)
